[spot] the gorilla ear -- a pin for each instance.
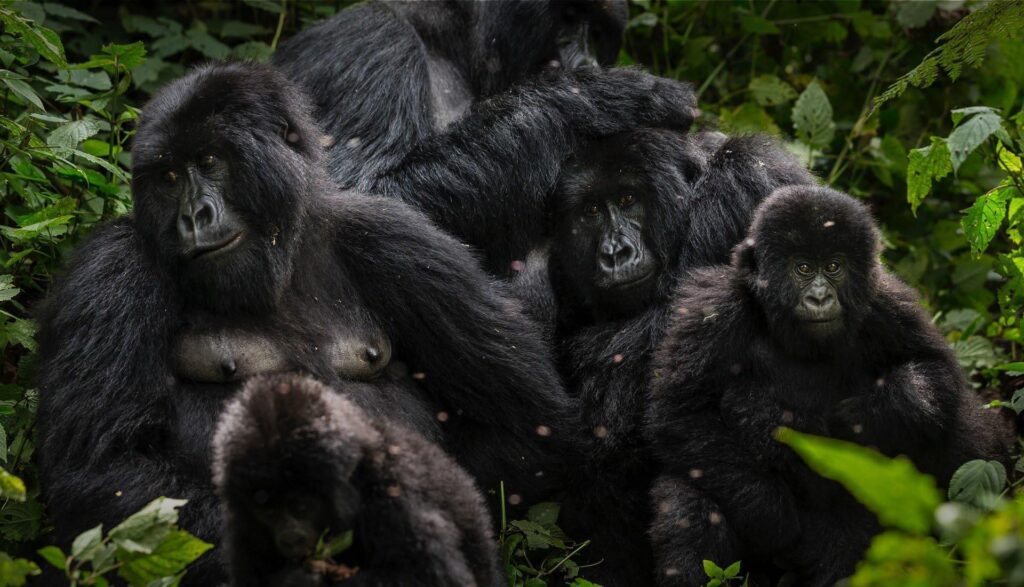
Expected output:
(743, 256)
(290, 134)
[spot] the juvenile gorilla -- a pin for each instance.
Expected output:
(390, 77)
(294, 460)
(805, 329)
(242, 258)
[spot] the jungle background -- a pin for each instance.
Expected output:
(917, 107)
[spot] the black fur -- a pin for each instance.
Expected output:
(736, 364)
(484, 174)
(698, 192)
(288, 441)
(119, 427)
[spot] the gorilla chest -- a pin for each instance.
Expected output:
(210, 349)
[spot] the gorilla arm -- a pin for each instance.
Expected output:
(472, 349)
(108, 440)
(486, 178)
(685, 423)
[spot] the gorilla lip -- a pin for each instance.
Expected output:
(217, 248)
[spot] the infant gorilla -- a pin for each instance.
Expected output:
(805, 329)
(295, 462)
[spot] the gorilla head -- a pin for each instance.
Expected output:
(621, 217)
(284, 452)
(223, 160)
(811, 260)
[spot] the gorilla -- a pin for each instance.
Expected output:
(386, 75)
(240, 258)
(632, 214)
(453, 108)
(294, 460)
(804, 329)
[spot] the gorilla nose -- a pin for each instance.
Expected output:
(819, 298)
(616, 255)
(195, 217)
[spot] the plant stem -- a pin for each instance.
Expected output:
(280, 24)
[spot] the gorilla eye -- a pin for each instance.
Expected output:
(626, 201)
(804, 269)
(593, 211)
(206, 161)
(170, 177)
(832, 267)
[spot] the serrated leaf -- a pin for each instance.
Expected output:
(14, 572)
(977, 480)
(984, 217)
(69, 135)
(43, 40)
(769, 90)
(812, 117)
(968, 136)
(924, 166)
(168, 558)
(55, 556)
(146, 529)
(893, 489)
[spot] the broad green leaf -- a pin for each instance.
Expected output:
(69, 135)
(712, 570)
(977, 480)
(87, 543)
(968, 136)
(14, 572)
(812, 117)
(982, 220)
(11, 487)
(55, 556)
(241, 30)
(267, 5)
(748, 117)
(146, 529)
(545, 513)
(167, 559)
(758, 25)
(7, 288)
(924, 166)
(61, 11)
(128, 55)
(893, 489)
(733, 570)
(337, 545)
(21, 332)
(537, 536)
(25, 91)
(769, 90)
(1009, 160)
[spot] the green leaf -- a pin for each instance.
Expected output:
(812, 117)
(545, 513)
(769, 90)
(733, 570)
(748, 117)
(266, 5)
(25, 91)
(758, 25)
(88, 543)
(69, 135)
(11, 486)
(144, 530)
(1009, 160)
(55, 556)
(169, 558)
(968, 136)
(977, 480)
(241, 30)
(893, 489)
(7, 288)
(897, 559)
(43, 40)
(983, 219)
(924, 166)
(712, 570)
(14, 572)
(916, 14)
(337, 544)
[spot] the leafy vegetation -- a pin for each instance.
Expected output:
(915, 107)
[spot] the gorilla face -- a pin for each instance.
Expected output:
(298, 518)
(817, 283)
(220, 180)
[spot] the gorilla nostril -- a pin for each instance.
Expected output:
(203, 215)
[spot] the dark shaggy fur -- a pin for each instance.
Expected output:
(376, 71)
(415, 515)
(695, 194)
(736, 364)
(120, 426)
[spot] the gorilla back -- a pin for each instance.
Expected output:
(240, 258)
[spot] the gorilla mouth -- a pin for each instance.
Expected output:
(631, 282)
(218, 248)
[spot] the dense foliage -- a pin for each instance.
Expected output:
(914, 106)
